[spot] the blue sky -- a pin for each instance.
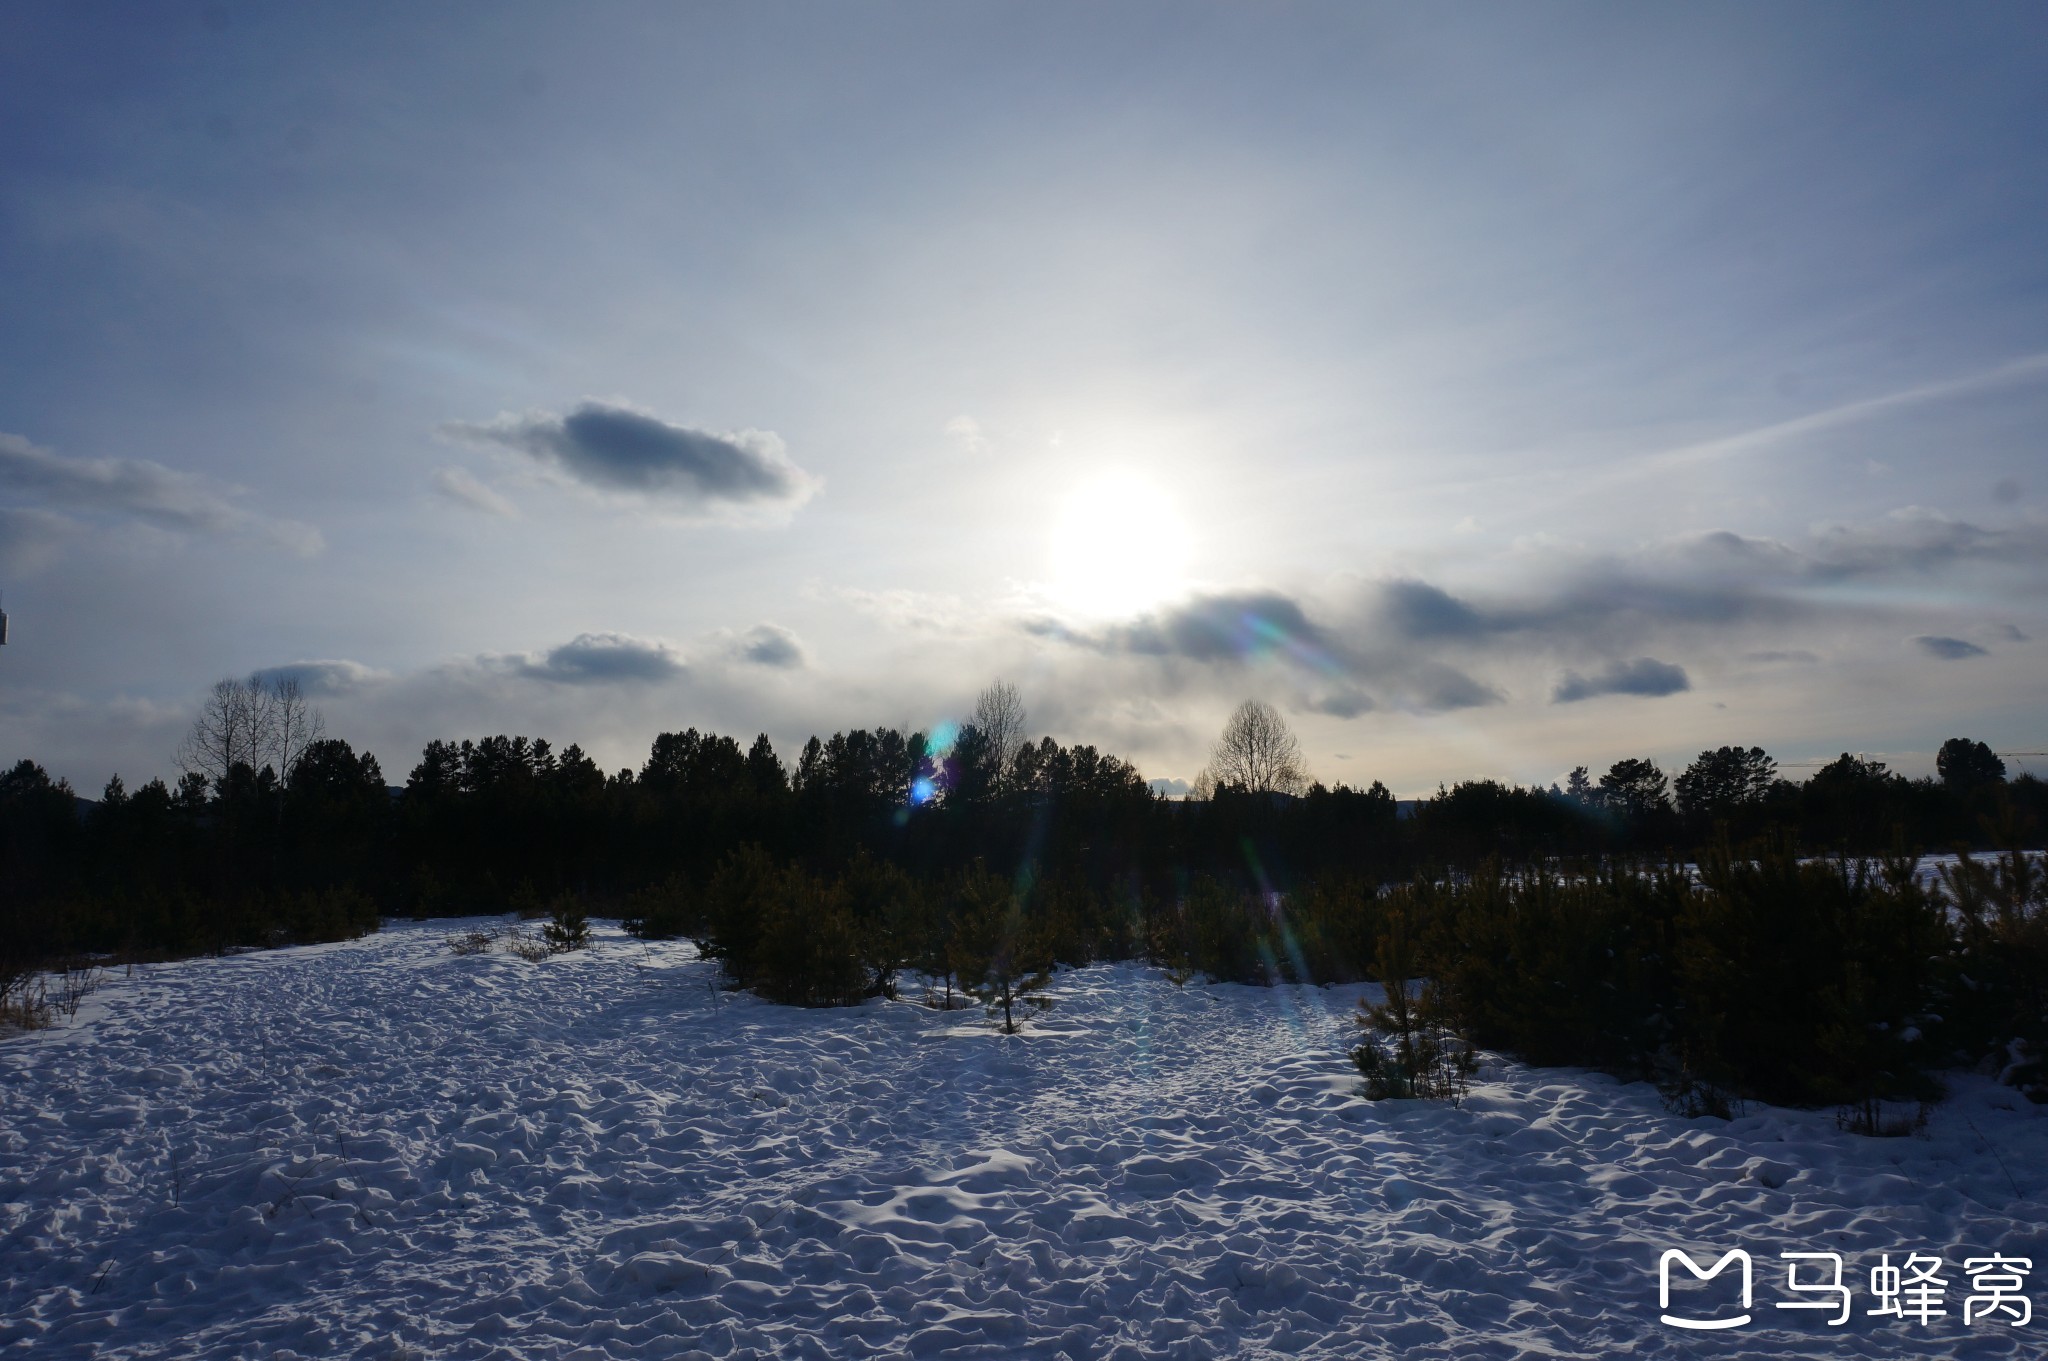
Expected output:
(1494, 388)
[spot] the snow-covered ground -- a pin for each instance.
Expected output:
(380, 1149)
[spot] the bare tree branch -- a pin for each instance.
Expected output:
(295, 724)
(999, 714)
(1257, 751)
(246, 722)
(232, 729)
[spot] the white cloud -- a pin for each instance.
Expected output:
(466, 489)
(30, 540)
(966, 431)
(326, 677)
(138, 489)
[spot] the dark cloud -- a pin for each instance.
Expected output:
(1726, 579)
(770, 645)
(135, 488)
(617, 449)
(1347, 703)
(1718, 582)
(1948, 649)
(1643, 676)
(1729, 550)
(1599, 604)
(326, 678)
(1225, 627)
(2011, 633)
(1920, 541)
(1633, 595)
(1051, 629)
(1439, 687)
(1247, 628)
(1415, 644)
(1416, 609)
(604, 659)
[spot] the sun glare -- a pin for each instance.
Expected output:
(1118, 547)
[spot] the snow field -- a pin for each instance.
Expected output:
(379, 1149)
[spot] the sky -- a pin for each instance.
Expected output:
(1494, 389)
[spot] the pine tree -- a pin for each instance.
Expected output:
(1408, 1048)
(737, 902)
(809, 950)
(887, 910)
(568, 926)
(660, 911)
(1965, 764)
(2001, 988)
(998, 950)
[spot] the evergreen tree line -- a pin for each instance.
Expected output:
(979, 868)
(807, 939)
(1757, 974)
(1760, 974)
(247, 857)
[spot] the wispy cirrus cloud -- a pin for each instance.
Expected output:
(1415, 644)
(141, 490)
(1333, 668)
(466, 489)
(1916, 539)
(327, 677)
(31, 539)
(2022, 370)
(967, 432)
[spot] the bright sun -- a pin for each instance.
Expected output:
(1118, 547)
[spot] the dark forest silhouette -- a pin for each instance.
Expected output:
(1558, 923)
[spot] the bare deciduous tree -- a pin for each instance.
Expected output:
(1257, 751)
(232, 729)
(294, 724)
(253, 723)
(999, 715)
